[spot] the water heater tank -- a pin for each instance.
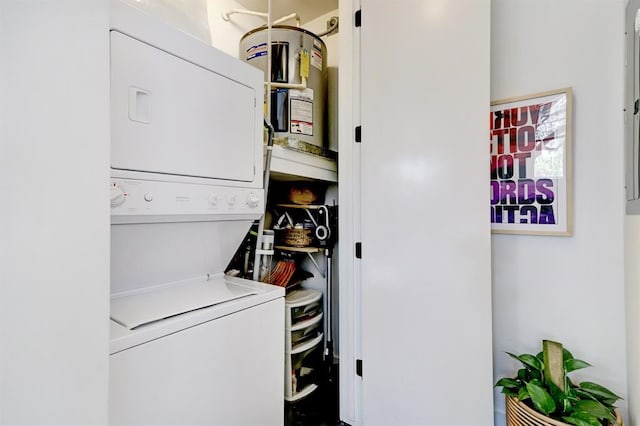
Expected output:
(298, 57)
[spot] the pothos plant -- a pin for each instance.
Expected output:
(544, 385)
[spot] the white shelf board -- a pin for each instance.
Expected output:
(304, 324)
(302, 297)
(302, 347)
(287, 164)
(304, 392)
(298, 249)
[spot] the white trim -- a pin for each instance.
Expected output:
(348, 200)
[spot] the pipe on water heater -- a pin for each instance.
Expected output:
(286, 18)
(226, 16)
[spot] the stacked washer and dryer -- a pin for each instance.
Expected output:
(189, 345)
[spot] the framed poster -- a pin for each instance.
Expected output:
(530, 145)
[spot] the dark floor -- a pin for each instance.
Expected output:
(318, 409)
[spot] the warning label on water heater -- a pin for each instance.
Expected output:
(301, 110)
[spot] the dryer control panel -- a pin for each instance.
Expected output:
(140, 201)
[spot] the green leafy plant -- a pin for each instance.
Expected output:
(544, 385)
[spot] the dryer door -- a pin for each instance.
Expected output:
(174, 117)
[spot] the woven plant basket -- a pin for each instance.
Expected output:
(520, 414)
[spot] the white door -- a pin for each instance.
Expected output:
(426, 286)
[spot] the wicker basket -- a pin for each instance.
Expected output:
(519, 414)
(294, 237)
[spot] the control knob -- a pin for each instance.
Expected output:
(117, 195)
(253, 200)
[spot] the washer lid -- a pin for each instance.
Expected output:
(138, 309)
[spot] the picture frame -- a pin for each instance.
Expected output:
(530, 141)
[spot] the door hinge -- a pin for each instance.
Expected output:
(358, 135)
(358, 18)
(359, 367)
(358, 250)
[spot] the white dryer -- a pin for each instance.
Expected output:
(188, 344)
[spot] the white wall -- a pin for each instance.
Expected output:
(319, 25)
(54, 214)
(632, 271)
(569, 289)
(189, 16)
(632, 243)
(202, 19)
(225, 35)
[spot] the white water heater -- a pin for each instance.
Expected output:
(298, 77)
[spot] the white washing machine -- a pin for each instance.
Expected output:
(203, 350)
(220, 365)
(189, 345)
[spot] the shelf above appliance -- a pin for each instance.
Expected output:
(299, 249)
(301, 206)
(288, 164)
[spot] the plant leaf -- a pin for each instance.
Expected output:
(561, 398)
(542, 401)
(566, 355)
(523, 374)
(568, 385)
(510, 392)
(584, 394)
(575, 364)
(531, 361)
(523, 394)
(528, 360)
(609, 403)
(595, 408)
(535, 375)
(582, 419)
(537, 382)
(508, 383)
(600, 392)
